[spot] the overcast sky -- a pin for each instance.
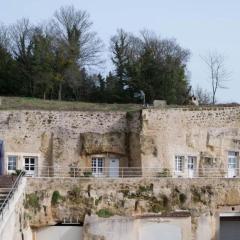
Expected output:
(200, 26)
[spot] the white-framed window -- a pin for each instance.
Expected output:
(232, 160)
(12, 163)
(97, 165)
(30, 163)
(179, 163)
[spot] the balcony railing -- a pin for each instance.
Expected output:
(131, 172)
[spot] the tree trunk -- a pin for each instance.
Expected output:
(60, 92)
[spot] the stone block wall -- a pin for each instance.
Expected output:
(59, 137)
(201, 132)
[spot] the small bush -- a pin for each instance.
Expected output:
(182, 198)
(87, 174)
(165, 201)
(56, 197)
(32, 200)
(196, 194)
(156, 208)
(104, 213)
(147, 188)
(17, 172)
(76, 191)
(97, 201)
(125, 192)
(164, 173)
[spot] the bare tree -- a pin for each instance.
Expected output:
(21, 47)
(218, 74)
(21, 36)
(4, 37)
(74, 27)
(203, 96)
(80, 45)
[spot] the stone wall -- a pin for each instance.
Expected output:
(137, 228)
(65, 138)
(201, 132)
(150, 138)
(202, 199)
(13, 225)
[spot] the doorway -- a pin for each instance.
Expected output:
(114, 168)
(229, 228)
(192, 163)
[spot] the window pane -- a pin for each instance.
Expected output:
(97, 165)
(12, 162)
(179, 163)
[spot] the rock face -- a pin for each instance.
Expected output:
(150, 138)
(208, 134)
(64, 139)
(147, 139)
(203, 199)
(94, 143)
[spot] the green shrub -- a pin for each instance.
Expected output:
(98, 200)
(182, 198)
(147, 188)
(76, 191)
(165, 201)
(17, 172)
(104, 213)
(164, 173)
(196, 194)
(56, 197)
(87, 174)
(156, 208)
(32, 200)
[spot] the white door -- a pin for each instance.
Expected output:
(30, 165)
(114, 168)
(232, 164)
(191, 166)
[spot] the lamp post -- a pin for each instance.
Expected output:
(143, 97)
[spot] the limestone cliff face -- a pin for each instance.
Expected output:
(94, 143)
(201, 132)
(59, 199)
(62, 138)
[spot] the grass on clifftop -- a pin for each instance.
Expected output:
(20, 103)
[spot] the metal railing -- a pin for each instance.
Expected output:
(131, 172)
(10, 195)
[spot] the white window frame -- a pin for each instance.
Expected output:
(31, 165)
(179, 163)
(20, 165)
(233, 160)
(193, 164)
(11, 163)
(98, 166)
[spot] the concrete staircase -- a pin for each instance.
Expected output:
(6, 183)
